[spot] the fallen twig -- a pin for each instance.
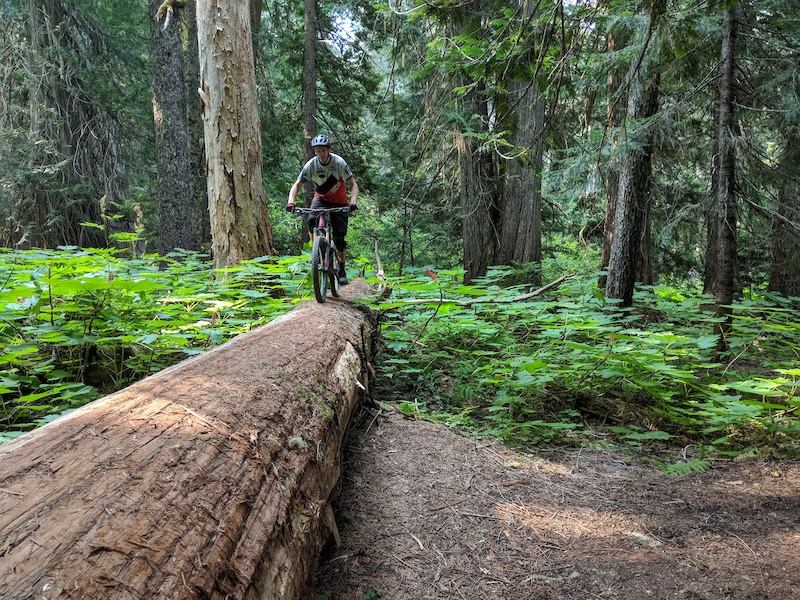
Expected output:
(527, 296)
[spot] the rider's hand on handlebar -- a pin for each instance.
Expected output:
(353, 208)
(290, 207)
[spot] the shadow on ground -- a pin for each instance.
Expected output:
(424, 513)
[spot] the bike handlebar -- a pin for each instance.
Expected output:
(303, 209)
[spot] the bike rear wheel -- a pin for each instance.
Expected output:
(318, 275)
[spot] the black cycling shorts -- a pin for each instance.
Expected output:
(338, 221)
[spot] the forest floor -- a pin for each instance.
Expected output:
(424, 513)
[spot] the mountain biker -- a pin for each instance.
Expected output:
(329, 173)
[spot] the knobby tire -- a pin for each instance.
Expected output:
(333, 272)
(318, 275)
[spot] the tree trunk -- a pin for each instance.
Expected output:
(614, 116)
(309, 83)
(711, 266)
(201, 224)
(175, 203)
(210, 479)
(784, 274)
(635, 179)
(726, 190)
(644, 262)
(477, 188)
(634, 195)
(476, 168)
(520, 215)
(309, 99)
(240, 226)
(479, 209)
(256, 6)
(520, 230)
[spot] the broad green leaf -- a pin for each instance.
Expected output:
(33, 397)
(757, 387)
(764, 405)
(648, 435)
(705, 342)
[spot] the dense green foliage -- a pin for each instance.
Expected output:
(76, 121)
(569, 367)
(75, 324)
(76, 126)
(565, 366)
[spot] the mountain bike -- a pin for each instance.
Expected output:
(324, 262)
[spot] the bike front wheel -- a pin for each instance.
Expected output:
(333, 271)
(318, 274)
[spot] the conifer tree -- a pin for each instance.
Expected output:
(240, 225)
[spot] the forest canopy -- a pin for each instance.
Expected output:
(483, 133)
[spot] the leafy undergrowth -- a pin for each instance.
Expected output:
(565, 366)
(569, 367)
(76, 324)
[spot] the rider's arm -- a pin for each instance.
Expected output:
(353, 191)
(298, 185)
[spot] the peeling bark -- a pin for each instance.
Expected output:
(240, 226)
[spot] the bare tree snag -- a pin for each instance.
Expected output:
(210, 479)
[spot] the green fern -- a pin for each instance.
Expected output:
(682, 469)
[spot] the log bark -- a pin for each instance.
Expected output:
(210, 479)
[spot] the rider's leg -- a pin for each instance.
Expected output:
(340, 254)
(312, 222)
(339, 238)
(313, 218)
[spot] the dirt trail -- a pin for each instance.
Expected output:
(425, 514)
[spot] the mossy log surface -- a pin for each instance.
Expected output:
(210, 479)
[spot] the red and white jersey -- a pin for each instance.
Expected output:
(329, 180)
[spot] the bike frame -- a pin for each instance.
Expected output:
(324, 261)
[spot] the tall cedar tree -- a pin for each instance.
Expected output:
(240, 226)
(520, 216)
(476, 167)
(501, 195)
(615, 113)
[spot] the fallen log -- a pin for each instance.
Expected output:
(210, 479)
